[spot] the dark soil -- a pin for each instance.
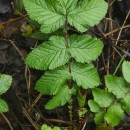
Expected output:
(26, 105)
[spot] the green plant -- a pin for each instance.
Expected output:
(66, 58)
(5, 83)
(112, 104)
(45, 127)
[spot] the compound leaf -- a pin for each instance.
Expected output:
(85, 48)
(87, 13)
(114, 114)
(94, 107)
(116, 85)
(47, 12)
(126, 70)
(103, 98)
(49, 55)
(99, 117)
(5, 83)
(60, 99)
(3, 106)
(85, 75)
(53, 81)
(53, 14)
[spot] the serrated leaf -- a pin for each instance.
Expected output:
(99, 117)
(114, 114)
(53, 81)
(49, 55)
(47, 12)
(3, 106)
(126, 70)
(60, 99)
(94, 107)
(85, 48)
(116, 85)
(53, 14)
(103, 98)
(87, 13)
(125, 103)
(85, 75)
(5, 83)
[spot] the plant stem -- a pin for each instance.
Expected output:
(70, 84)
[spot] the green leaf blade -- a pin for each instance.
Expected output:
(85, 75)
(3, 106)
(45, 127)
(60, 99)
(87, 13)
(5, 83)
(125, 103)
(103, 98)
(114, 114)
(99, 117)
(46, 12)
(94, 107)
(53, 81)
(84, 48)
(116, 85)
(126, 70)
(48, 55)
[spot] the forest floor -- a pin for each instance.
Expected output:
(27, 110)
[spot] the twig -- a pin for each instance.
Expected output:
(35, 101)
(122, 28)
(30, 119)
(7, 121)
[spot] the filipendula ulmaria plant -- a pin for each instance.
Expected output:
(112, 104)
(5, 83)
(66, 59)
